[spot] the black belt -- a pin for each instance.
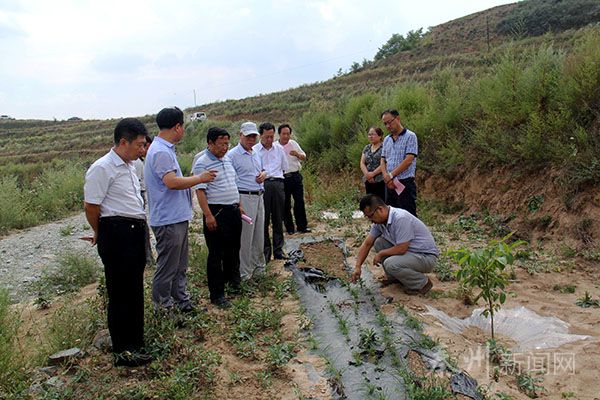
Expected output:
(291, 173)
(118, 218)
(410, 179)
(256, 193)
(274, 179)
(220, 206)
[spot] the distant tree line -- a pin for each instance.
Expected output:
(536, 17)
(396, 44)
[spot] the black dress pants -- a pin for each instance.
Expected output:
(407, 200)
(294, 188)
(223, 263)
(274, 199)
(122, 248)
(377, 188)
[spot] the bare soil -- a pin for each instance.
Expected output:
(326, 256)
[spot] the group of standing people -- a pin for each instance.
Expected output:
(242, 193)
(245, 193)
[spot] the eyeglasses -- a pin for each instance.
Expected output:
(389, 122)
(370, 215)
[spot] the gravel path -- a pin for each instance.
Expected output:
(26, 255)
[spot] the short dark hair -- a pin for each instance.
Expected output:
(265, 126)
(214, 133)
(372, 201)
(129, 129)
(167, 118)
(280, 127)
(392, 111)
(376, 129)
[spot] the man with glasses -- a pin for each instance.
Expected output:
(275, 163)
(399, 163)
(170, 205)
(250, 183)
(222, 222)
(404, 246)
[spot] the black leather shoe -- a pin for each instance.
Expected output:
(290, 232)
(132, 359)
(306, 230)
(280, 257)
(221, 302)
(188, 308)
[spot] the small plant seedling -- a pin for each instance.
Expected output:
(42, 302)
(535, 202)
(530, 385)
(66, 230)
(485, 269)
(586, 301)
(564, 288)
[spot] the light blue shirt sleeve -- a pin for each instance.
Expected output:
(412, 146)
(163, 163)
(199, 168)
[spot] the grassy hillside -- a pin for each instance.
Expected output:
(468, 85)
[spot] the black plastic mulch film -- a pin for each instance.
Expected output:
(366, 350)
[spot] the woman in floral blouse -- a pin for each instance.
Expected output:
(370, 163)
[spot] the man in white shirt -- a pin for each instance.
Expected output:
(274, 162)
(293, 186)
(114, 209)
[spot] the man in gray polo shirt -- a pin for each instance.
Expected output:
(250, 178)
(170, 204)
(403, 244)
(220, 203)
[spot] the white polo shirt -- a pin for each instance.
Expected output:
(113, 184)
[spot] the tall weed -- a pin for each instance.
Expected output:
(12, 362)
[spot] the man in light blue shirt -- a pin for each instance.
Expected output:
(399, 163)
(250, 178)
(170, 205)
(403, 243)
(222, 219)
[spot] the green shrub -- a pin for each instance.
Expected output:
(14, 212)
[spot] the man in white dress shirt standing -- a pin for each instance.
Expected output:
(114, 209)
(293, 185)
(275, 163)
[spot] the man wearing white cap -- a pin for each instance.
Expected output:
(250, 182)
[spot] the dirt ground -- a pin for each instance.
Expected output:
(569, 371)
(303, 376)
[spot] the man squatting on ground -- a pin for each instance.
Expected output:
(403, 244)
(170, 204)
(222, 223)
(250, 183)
(274, 162)
(399, 161)
(293, 186)
(114, 209)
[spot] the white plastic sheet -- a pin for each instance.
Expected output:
(334, 215)
(529, 330)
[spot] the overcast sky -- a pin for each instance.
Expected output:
(102, 59)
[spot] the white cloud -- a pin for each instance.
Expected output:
(115, 58)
